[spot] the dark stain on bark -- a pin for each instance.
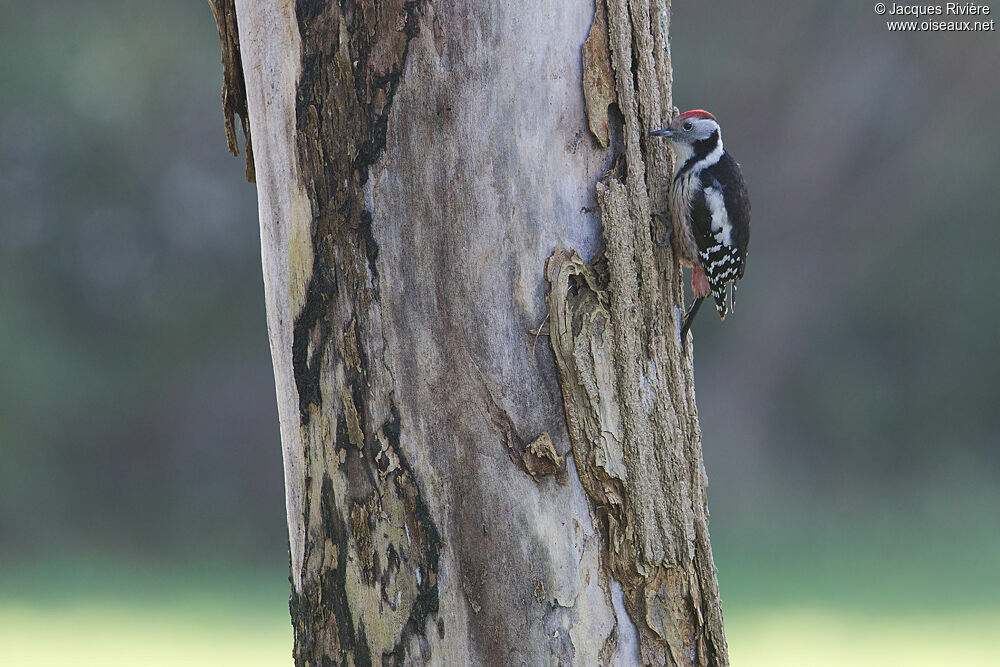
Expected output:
(307, 359)
(362, 528)
(353, 55)
(426, 543)
(309, 608)
(371, 246)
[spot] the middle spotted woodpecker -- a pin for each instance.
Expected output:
(710, 209)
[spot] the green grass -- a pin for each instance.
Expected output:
(135, 632)
(94, 613)
(796, 593)
(811, 637)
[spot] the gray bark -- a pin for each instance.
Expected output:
(417, 164)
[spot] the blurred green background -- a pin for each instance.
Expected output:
(849, 407)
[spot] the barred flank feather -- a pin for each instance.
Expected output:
(721, 304)
(722, 266)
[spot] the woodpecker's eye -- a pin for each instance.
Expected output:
(687, 125)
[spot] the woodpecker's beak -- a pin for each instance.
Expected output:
(666, 132)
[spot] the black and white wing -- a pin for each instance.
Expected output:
(720, 221)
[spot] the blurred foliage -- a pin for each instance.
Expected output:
(848, 405)
(136, 402)
(863, 356)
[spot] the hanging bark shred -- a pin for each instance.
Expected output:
(540, 459)
(234, 92)
(598, 79)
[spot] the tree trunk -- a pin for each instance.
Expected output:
(458, 491)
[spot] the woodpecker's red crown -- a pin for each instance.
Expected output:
(696, 113)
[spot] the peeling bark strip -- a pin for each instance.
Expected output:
(369, 534)
(234, 92)
(674, 598)
(627, 388)
(598, 79)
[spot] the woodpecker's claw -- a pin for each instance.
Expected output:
(670, 229)
(688, 318)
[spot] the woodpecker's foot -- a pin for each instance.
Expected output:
(688, 318)
(670, 229)
(699, 282)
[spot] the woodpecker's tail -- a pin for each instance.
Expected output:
(721, 300)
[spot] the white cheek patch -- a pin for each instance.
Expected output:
(721, 229)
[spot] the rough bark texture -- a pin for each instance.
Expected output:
(644, 475)
(628, 388)
(416, 164)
